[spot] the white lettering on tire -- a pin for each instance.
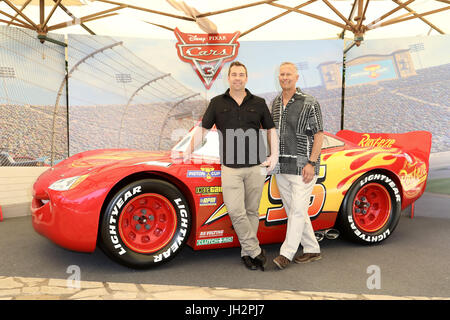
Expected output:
(387, 180)
(112, 220)
(365, 237)
(180, 238)
(394, 188)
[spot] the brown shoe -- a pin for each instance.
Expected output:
(281, 261)
(260, 260)
(308, 257)
(249, 263)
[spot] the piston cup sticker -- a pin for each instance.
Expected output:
(207, 53)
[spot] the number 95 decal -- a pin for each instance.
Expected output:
(272, 209)
(271, 206)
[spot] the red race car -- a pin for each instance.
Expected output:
(142, 207)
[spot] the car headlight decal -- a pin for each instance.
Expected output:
(67, 183)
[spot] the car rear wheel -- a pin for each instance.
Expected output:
(145, 224)
(371, 209)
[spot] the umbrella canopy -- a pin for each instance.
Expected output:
(50, 2)
(302, 19)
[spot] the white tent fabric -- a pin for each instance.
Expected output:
(150, 23)
(50, 2)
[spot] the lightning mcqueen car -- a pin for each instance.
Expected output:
(141, 207)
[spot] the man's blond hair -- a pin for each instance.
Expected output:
(287, 63)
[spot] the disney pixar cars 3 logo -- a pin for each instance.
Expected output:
(207, 53)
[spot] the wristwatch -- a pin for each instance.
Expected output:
(313, 163)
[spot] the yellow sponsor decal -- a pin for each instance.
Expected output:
(208, 190)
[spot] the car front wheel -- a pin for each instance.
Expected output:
(145, 224)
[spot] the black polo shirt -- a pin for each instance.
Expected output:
(240, 139)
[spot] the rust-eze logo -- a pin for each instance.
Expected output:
(207, 53)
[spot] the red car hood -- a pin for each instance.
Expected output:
(100, 158)
(95, 161)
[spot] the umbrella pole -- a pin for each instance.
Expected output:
(41, 12)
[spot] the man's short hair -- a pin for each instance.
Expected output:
(237, 64)
(290, 64)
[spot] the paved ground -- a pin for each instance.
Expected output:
(25, 288)
(413, 262)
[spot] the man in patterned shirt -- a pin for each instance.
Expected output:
(298, 119)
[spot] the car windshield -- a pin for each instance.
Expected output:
(331, 142)
(209, 148)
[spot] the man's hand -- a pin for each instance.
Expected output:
(308, 173)
(270, 163)
(272, 160)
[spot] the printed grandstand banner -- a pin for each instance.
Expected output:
(207, 53)
(33, 108)
(137, 93)
(400, 85)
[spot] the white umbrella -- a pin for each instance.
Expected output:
(286, 16)
(50, 2)
(20, 19)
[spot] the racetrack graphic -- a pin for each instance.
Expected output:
(125, 99)
(32, 129)
(419, 100)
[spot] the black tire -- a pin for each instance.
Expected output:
(145, 224)
(381, 217)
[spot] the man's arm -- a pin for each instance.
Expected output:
(308, 169)
(317, 146)
(315, 123)
(272, 140)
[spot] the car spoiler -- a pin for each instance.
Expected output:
(416, 143)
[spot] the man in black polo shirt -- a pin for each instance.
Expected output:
(239, 116)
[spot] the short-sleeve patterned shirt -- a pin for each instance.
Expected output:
(296, 123)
